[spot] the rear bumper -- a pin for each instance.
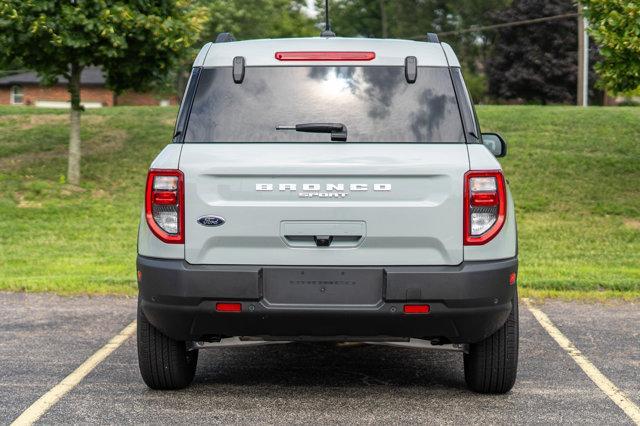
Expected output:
(468, 302)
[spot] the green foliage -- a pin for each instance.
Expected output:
(476, 85)
(577, 206)
(358, 18)
(472, 48)
(405, 18)
(535, 63)
(134, 41)
(615, 25)
(257, 19)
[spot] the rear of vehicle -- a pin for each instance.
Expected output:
(327, 189)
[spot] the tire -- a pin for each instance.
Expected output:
(492, 364)
(164, 363)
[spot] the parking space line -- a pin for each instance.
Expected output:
(46, 401)
(605, 385)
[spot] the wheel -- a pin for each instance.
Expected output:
(164, 363)
(491, 365)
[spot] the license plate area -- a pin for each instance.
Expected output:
(322, 286)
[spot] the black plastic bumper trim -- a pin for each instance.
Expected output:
(468, 301)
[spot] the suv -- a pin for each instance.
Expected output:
(328, 189)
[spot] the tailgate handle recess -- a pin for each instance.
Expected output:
(322, 234)
(336, 241)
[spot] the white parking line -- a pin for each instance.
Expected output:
(46, 401)
(611, 390)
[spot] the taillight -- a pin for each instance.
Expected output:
(485, 205)
(164, 205)
(325, 56)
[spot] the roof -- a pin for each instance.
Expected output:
(90, 76)
(388, 51)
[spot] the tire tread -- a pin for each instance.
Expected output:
(164, 362)
(491, 364)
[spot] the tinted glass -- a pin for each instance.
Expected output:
(376, 104)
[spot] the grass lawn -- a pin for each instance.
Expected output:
(574, 173)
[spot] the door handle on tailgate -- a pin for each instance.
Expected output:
(312, 234)
(334, 241)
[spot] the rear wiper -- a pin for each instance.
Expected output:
(338, 130)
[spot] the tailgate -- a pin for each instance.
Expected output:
(324, 204)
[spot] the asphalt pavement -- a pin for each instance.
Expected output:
(43, 338)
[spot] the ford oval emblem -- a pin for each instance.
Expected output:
(211, 221)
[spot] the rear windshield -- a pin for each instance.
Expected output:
(375, 104)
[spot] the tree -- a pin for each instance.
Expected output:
(258, 19)
(538, 62)
(135, 43)
(384, 18)
(615, 26)
(409, 18)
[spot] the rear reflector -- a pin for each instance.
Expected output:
(484, 199)
(228, 307)
(165, 197)
(325, 56)
(512, 278)
(416, 309)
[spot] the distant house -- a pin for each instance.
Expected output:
(26, 89)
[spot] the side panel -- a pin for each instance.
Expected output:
(480, 158)
(504, 245)
(199, 61)
(452, 59)
(148, 244)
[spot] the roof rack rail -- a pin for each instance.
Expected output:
(225, 38)
(432, 38)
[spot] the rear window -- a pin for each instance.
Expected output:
(376, 104)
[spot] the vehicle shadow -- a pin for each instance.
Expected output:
(330, 365)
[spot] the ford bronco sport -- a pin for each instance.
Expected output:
(328, 189)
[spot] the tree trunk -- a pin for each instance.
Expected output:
(75, 154)
(580, 98)
(383, 18)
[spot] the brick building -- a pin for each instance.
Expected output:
(26, 89)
